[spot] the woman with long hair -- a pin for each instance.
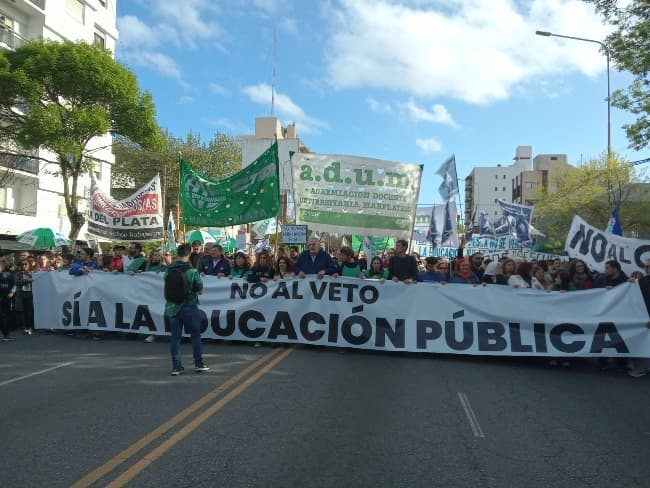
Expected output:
(580, 275)
(522, 278)
(263, 269)
(284, 268)
(240, 267)
(538, 280)
(155, 263)
(376, 269)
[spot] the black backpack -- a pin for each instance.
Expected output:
(178, 285)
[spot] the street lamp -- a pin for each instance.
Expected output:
(609, 126)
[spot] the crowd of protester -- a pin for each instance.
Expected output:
(17, 304)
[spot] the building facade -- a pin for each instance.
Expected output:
(31, 193)
(267, 129)
(516, 183)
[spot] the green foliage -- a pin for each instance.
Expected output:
(59, 95)
(629, 46)
(592, 191)
(134, 166)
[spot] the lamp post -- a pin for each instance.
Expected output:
(609, 127)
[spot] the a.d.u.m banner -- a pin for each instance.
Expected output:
(355, 195)
(136, 218)
(248, 196)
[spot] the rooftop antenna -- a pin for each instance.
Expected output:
(275, 42)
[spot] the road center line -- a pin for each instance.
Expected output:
(471, 416)
(130, 451)
(154, 454)
(13, 380)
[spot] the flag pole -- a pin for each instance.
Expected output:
(178, 197)
(415, 208)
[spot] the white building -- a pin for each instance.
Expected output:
(30, 194)
(513, 183)
(266, 130)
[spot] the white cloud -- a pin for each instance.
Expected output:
(233, 126)
(438, 113)
(133, 33)
(218, 89)
(269, 6)
(155, 61)
(472, 50)
(143, 44)
(377, 106)
(189, 22)
(290, 26)
(286, 109)
(185, 100)
(430, 145)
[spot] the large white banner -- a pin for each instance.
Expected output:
(136, 218)
(595, 247)
(354, 195)
(367, 314)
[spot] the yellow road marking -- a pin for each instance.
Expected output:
(154, 454)
(130, 451)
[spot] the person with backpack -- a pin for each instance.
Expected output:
(183, 284)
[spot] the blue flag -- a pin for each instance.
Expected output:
(469, 228)
(171, 232)
(442, 229)
(449, 186)
(614, 225)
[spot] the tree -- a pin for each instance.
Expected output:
(629, 46)
(59, 95)
(134, 165)
(592, 191)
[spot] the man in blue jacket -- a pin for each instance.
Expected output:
(216, 264)
(314, 260)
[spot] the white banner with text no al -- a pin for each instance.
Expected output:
(596, 247)
(368, 314)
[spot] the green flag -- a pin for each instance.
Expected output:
(248, 196)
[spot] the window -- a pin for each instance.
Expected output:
(496, 177)
(99, 40)
(504, 177)
(496, 188)
(75, 9)
(504, 188)
(531, 185)
(98, 171)
(553, 158)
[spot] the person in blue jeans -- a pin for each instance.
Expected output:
(186, 313)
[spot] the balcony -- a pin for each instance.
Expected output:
(39, 3)
(21, 163)
(10, 39)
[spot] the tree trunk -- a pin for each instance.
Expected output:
(71, 200)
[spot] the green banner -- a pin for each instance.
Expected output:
(380, 243)
(248, 196)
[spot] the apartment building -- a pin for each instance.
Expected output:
(515, 183)
(31, 194)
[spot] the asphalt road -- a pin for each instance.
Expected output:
(76, 412)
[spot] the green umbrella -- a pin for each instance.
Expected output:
(43, 237)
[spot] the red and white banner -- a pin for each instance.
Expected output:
(136, 218)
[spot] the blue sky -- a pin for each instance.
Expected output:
(407, 81)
